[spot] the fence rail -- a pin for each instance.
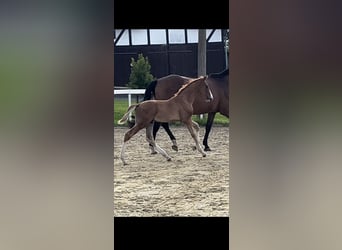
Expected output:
(129, 92)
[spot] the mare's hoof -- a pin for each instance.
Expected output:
(207, 149)
(175, 148)
(194, 147)
(153, 153)
(125, 163)
(204, 155)
(169, 159)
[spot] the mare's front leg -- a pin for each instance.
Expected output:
(208, 126)
(151, 141)
(194, 129)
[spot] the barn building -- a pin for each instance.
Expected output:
(169, 51)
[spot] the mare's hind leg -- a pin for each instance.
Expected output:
(172, 137)
(208, 126)
(151, 141)
(193, 129)
(128, 135)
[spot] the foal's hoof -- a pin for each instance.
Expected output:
(169, 159)
(207, 149)
(175, 148)
(204, 155)
(194, 147)
(153, 153)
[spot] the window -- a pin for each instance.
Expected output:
(216, 37)
(192, 36)
(158, 36)
(124, 39)
(139, 37)
(177, 36)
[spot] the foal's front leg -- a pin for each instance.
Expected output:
(149, 139)
(194, 129)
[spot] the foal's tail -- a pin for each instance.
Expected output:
(126, 115)
(150, 90)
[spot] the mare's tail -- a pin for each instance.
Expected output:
(126, 115)
(150, 90)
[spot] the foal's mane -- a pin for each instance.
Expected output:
(187, 85)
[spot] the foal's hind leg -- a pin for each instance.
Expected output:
(193, 129)
(128, 135)
(172, 137)
(151, 141)
(196, 129)
(156, 126)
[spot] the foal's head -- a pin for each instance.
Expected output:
(200, 87)
(205, 91)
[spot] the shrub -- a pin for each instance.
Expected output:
(140, 75)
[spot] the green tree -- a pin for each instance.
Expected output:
(140, 75)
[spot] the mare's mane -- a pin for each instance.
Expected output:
(220, 74)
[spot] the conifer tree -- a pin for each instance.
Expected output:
(140, 75)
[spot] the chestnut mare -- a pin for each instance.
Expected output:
(177, 108)
(163, 88)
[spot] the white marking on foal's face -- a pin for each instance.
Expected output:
(211, 95)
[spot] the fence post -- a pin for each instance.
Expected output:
(129, 99)
(202, 55)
